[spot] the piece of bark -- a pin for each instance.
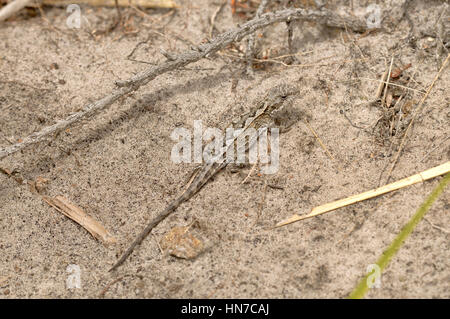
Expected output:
(75, 213)
(179, 242)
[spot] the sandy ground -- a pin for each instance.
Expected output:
(116, 165)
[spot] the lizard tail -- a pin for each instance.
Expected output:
(170, 209)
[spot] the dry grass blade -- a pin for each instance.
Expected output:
(381, 85)
(168, 4)
(75, 213)
(391, 84)
(323, 145)
(12, 8)
(417, 178)
(383, 100)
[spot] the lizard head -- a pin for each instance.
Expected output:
(282, 108)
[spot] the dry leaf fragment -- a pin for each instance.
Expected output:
(389, 99)
(3, 281)
(11, 174)
(398, 71)
(179, 242)
(5, 171)
(75, 213)
(39, 185)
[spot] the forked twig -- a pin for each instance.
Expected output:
(323, 16)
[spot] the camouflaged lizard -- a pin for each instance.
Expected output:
(274, 110)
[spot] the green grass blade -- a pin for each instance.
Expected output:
(362, 288)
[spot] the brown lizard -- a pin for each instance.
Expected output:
(274, 110)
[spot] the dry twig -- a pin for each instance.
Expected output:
(213, 17)
(323, 16)
(250, 54)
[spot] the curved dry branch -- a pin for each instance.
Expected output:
(323, 16)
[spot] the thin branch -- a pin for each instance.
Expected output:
(214, 16)
(250, 53)
(323, 16)
(62, 124)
